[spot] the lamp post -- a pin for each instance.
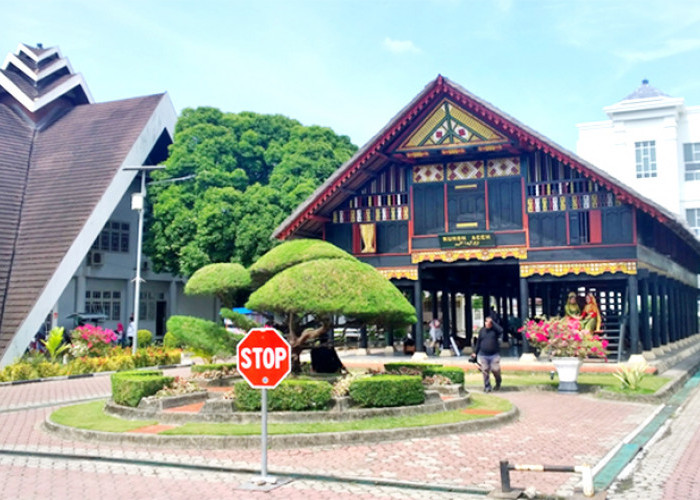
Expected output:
(138, 203)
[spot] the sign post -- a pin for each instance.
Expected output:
(264, 360)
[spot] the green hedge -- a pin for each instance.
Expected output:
(214, 367)
(454, 373)
(399, 367)
(387, 390)
(129, 387)
(290, 395)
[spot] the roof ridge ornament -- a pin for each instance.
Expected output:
(37, 77)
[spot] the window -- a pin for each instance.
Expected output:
(693, 216)
(645, 158)
(107, 302)
(691, 156)
(113, 238)
(148, 304)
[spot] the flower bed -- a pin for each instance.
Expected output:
(556, 337)
(115, 359)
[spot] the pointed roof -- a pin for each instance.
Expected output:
(390, 144)
(645, 91)
(36, 78)
(61, 178)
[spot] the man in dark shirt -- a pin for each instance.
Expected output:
(486, 352)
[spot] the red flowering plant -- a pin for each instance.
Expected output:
(558, 337)
(91, 340)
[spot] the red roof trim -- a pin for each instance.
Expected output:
(440, 86)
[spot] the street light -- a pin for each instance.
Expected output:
(138, 202)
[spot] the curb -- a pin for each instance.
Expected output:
(281, 441)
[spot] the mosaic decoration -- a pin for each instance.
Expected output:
(503, 167)
(371, 214)
(449, 125)
(396, 273)
(484, 254)
(428, 173)
(465, 170)
(571, 202)
(595, 268)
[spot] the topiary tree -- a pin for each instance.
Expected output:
(328, 287)
(291, 253)
(229, 282)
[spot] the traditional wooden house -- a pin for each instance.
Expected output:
(455, 198)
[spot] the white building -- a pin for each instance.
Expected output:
(651, 143)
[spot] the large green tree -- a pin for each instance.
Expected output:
(231, 178)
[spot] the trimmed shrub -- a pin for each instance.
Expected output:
(207, 337)
(170, 341)
(223, 367)
(21, 371)
(290, 395)
(454, 373)
(145, 337)
(387, 390)
(48, 369)
(409, 368)
(129, 387)
(239, 320)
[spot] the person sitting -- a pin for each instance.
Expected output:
(572, 309)
(590, 317)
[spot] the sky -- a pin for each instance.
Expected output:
(351, 65)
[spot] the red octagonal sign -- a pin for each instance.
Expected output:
(264, 358)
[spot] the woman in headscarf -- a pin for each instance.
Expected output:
(572, 309)
(590, 318)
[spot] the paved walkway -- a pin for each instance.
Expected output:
(552, 429)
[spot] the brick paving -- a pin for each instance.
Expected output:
(669, 468)
(556, 429)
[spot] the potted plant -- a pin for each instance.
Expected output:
(566, 344)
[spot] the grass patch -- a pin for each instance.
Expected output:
(649, 384)
(91, 416)
(479, 401)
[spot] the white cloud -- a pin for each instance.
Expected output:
(401, 46)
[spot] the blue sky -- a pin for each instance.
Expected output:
(353, 64)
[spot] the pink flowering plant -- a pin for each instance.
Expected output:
(558, 337)
(91, 340)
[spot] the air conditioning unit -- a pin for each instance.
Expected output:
(95, 259)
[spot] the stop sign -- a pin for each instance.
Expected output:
(264, 358)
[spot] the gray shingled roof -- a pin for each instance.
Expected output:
(55, 166)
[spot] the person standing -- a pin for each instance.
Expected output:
(130, 331)
(120, 334)
(435, 335)
(486, 352)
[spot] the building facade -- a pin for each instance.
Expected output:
(650, 142)
(454, 198)
(68, 167)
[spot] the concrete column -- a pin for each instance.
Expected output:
(446, 324)
(655, 317)
(663, 311)
(632, 285)
(644, 315)
(418, 304)
(522, 302)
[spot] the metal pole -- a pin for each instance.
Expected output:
(137, 283)
(263, 467)
(505, 477)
